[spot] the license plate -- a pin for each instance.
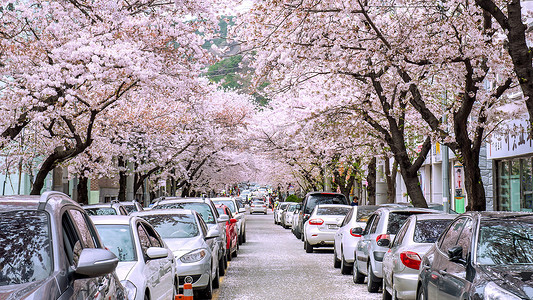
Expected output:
(332, 226)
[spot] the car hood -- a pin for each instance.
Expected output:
(124, 268)
(42, 289)
(184, 245)
(515, 278)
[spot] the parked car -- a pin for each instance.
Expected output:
(132, 206)
(106, 209)
(401, 263)
(319, 230)
(287, 215)
(278, 210)
(193, 244)
(258, 206)
(50, 249)
(309, 203)
(346, 237)
(381, 228)
(295, 217)
(238, 210)
(480, 255)
(146, 265)
(206, 208)
(232, 243)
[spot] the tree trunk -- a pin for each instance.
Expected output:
(390, 177)
(83, 190)
(122, 179)
(371, 180)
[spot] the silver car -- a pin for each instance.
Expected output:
(287, 215)
(258, 206)
(380, 229)
(146, 265)
(106, 209)
(402, 262)
(194, 247)
(206, 208)
(320, 229)
(277, 212)
(238, 211)
(348, 235)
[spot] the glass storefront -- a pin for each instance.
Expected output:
(515, 184)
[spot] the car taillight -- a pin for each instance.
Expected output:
(411, 259)
(382, 236)
(316, 222)
(354, 234)
(264, 205)
(252, 205)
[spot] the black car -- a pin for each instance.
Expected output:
(309, 203)
(50, 249)
(481, 255)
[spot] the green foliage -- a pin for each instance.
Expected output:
(293, 198)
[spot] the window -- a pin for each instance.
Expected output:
(87, 235)
(466, 237)
(144, 239)
(348, 217)
(450, 237)
(428, 231)
(375, 223)
(328, 211)
(174, 226)
(203, 226)
(505, 242)
(515, 184)
(400, 236)
(119, 240)
(71, 240)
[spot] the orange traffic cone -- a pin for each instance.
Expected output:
(187, 293)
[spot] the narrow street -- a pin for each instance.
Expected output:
(272, 264)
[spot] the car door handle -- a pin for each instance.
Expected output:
(443, 272)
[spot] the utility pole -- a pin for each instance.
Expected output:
(445, 179)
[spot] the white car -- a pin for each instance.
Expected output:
(258, 206)
(146, 265)
(348, 235)
(288, 215)
(277, 211)
(319, 230)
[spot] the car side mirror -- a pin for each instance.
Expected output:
(242, 210)
(233, 221)
(223, 219)
(455, 254)
(383, 242)
(156, 252)
(212, 234)
(356, 231)
(95, 262)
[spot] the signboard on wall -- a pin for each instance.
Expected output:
(513, 143)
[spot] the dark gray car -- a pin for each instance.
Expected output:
(51, 250)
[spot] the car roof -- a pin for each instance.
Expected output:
(333, 205)
(182, 200)
(406, 208)
(34, 202)
(113, 219)
(170, 211)
(434, 216)
(325, 193)
(101, 205)
(221, 199)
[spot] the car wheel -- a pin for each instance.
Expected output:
(373, 282)
(146, 297)
(308, 247)
(216, 280)
(239, 239)
(244, 237)
(386, 294)
(336, 261)
(358, 277)
(235, 253)
(265, 212)
(229, 256)
(221, 263)
(176, 288)
(345, 268)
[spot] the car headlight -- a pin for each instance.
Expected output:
(194, 256)
(131, 289)
(494, 292)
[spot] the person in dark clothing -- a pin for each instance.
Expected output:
(355, 201)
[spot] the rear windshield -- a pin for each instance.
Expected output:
(202, 208)
(313, 200)
(228, 203)
(291, 208)
(259, 202)
(25, 250)
(101, 211)
(364, 212)
(428, 231)
(396, 220)
(341, 211)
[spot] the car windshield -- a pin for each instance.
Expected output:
(505, 242)
(396, 220)
(324, 199)
(228, 203)
(174, 226)
(25, 249)
(202, 208)
(221, 211)
(119, 240)
(429, 231)
(291, 208)
(341, 211)
(363, 213)
(101, 211)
